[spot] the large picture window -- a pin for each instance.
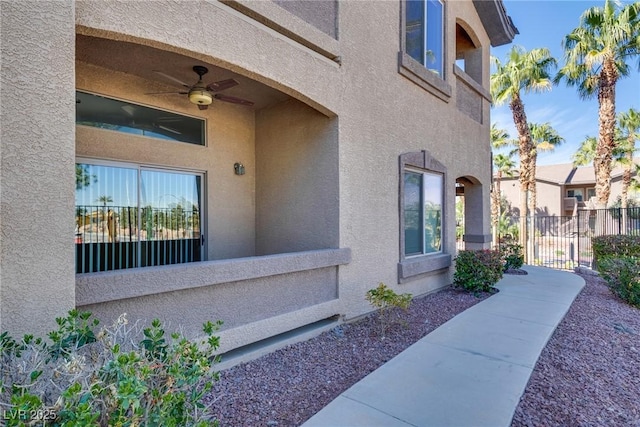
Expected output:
(130, 216)
(424, 33)
(423, 200)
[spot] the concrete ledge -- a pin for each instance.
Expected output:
(289, 25)
(468, 80)
(108, 286)
(417, 73)
(423, 264)
(268, 329)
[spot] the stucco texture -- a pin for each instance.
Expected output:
(321, 147)
(37, 161)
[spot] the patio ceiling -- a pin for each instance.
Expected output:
(142, 60)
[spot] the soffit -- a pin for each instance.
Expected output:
(497, 23)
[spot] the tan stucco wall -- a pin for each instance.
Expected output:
(367, 115)
(384, 115)
(296, 179)
(230, 202)
(36, 174)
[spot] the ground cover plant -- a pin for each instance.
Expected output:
(121, 375)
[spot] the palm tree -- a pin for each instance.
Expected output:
(544, 138)
(595, 58)
(504, 166)
(629, 133)
(522, 72)
(586, 152)
(104, 200)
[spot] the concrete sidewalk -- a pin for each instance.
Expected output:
(472, 370)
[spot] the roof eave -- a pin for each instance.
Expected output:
(497, 23)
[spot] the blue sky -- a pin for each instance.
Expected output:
(544, 23)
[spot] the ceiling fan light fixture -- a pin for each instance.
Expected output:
(200, 97)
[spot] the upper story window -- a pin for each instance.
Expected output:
(422, 56)
(577, 193)
(424, 38)
(121, 116)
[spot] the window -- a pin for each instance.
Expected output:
(591, 193)
(577, 193)
(424, 29)
(106, 113)
(131, 216)
(423, 199)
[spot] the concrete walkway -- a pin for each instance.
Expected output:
(472, 370)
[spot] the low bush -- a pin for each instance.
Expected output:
(478, 271)
(122, 375)
(623, 277)
(384, 299)
(512, 256)
(615, 246)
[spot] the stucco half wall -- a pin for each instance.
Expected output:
(241, 292)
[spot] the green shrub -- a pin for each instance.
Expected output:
(512, 255)
(384, 298)
(615, 246)
(124, 375)
(623, 277)
(478, 271)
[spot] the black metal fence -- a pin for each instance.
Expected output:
(564, 242)
(117, 237)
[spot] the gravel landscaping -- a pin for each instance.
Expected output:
(589, 372)
(587, 375)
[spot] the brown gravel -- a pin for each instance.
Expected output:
(587, 375)
(589, 372)
(287, 387)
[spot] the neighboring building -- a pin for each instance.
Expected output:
(562, 189)
(281, 212)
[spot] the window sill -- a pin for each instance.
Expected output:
(412, 267)
(417, 73)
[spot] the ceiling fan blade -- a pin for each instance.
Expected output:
(221, 85)
(171, 78)
(233, 100)
(202, 107)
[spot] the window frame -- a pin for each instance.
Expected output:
(145, 132)
(141, 167)
(416, 71)
(417, 265)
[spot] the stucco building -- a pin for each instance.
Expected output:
(562, 189)
(319, 155)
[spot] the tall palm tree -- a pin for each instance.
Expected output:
(596, 55)
(629, 133)
(544, 138)
(504, 166)
(523, 71)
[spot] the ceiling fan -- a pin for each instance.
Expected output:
(201, 94)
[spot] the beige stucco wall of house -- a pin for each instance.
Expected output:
(296, 179)
(360, 116)
(37, 127)
(387, 115)
(549, 199)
